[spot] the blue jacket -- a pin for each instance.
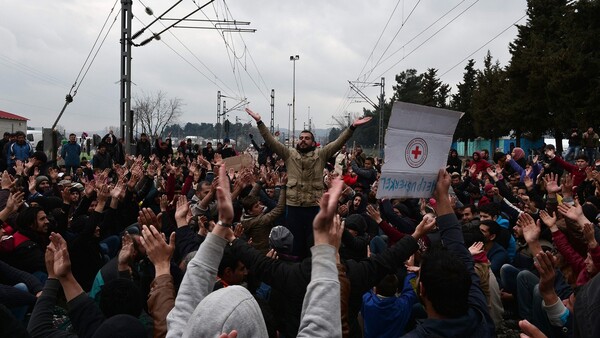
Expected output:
(19, 152)
(388, 317)
(477, 321)
(70, 153)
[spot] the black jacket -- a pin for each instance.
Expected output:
(291, 279)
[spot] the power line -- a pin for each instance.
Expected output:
(193, 55)
(426, 40)
(378, 39)
(26, 69)
(485, 44)
(92, 50)
(423, 31)
(95, 55)
(394, 38)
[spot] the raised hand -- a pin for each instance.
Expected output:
(548, 219)
(224, 206)
(14, 201)
(544, 263)
(574, 212)
(472, 170)
(567, 186)
(255, 116)
(32, 184)
(476, 248)
(164, 203)
(552, 186)
(62, 261)
(361, 121)
(426, 225)
(531, 230)
(324, 229)
(374, 214)
(157, 249)
(7, 182)
(127, 253)
(147, 217)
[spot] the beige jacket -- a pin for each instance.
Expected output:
(305, 171)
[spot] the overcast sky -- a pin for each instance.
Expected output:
(44, 45)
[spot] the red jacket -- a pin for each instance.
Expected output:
(578, 174)
(574, 259)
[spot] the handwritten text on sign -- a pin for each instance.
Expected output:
(416, 147)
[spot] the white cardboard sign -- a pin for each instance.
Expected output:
(417, 142)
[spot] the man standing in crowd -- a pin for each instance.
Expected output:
(20, 150)
(574, 144)
(590, 143)
(71, 152)
(208, 152)
(305, 166)
(143, 147)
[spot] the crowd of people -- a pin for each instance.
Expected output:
(172, 243)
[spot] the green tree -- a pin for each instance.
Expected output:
(433, 93)
(488, 101)
(530, 69)
(463, 101)
(408, 87)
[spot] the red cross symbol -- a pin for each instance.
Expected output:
(416, 152)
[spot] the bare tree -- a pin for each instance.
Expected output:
(154, 112)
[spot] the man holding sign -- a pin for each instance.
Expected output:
(305, 166)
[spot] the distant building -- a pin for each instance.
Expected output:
(12, 123)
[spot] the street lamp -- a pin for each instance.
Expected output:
(289, 120)
(294, 58)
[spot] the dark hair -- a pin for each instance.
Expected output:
(19, 133)
(388, 286)
(309, 132)
(582, 157)
(72, 134)
(249, 201)
(492, 209)
(229, 260)
(121, 296)
(370, 158)
(472, 207)
(442, 271)
(28, 217)
(493, 227)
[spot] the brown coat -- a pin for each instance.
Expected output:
(258, 228)
(305, 171)
(160, 302)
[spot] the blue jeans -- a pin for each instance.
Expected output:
(508, 276)
(591, 155)
(571, 153)
(377, 245)
(19, 312)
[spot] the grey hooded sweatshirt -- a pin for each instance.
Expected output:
(200, 313)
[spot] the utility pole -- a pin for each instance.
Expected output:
(220, 131)
(289, 119)
(272, 111)
(294, 59)
(309, 121)
(380, 142)
(380, 107)
(125, 102)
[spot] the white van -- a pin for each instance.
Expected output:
(34, 136)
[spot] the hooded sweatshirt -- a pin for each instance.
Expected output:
(198, 313)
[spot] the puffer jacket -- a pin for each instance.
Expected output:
(305, 171)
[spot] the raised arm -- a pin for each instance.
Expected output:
(336, 145)
(201, 273)
(271, 142)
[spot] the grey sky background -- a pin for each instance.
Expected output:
(44, 45)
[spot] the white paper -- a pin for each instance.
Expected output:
(417, 142)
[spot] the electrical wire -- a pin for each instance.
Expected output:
(426, 40)
(92, 50)
(217, 79)
(485, 44)
(394, 38)
(95, 55)
(28, 70)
